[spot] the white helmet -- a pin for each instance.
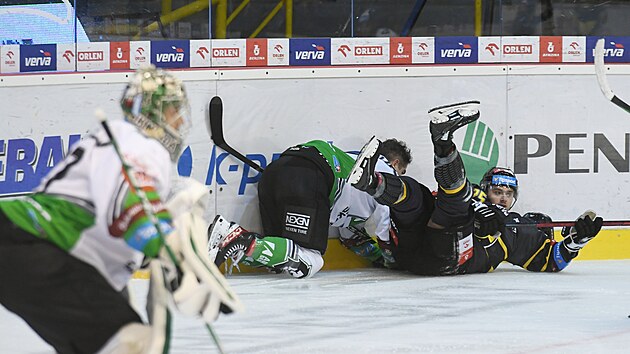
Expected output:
(155, 102)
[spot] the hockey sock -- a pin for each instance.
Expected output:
(450, 173)
(443, 148)
(562, 256)
(390, 189)
(271, 251)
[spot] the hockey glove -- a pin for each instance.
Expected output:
(489, 218)
(196, 286)
(586, 228)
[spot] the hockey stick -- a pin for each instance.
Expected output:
(600, 71)
(146, 206)
(215, 124)
(568, 223)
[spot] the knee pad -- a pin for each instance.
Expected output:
(390, 190)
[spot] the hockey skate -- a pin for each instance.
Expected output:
(447, 119)
(228, 240)
(362, 174)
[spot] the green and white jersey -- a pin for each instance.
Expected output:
(84, 206)
(339, 161)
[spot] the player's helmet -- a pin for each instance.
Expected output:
(155, 102)
(499, 176)
(540, 218)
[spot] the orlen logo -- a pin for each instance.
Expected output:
(574, 48)
(318, 53)
(140, 55)
(277, 51)
(344, 50)
(617, 51)
(176, 57)
(368, 50)
(493, 48)
(10, 61)
(422, 50)
(96, 55)
(44, 60)
(67, 55)
(464, 52)
(202, 51)
(226, 52)
(509, 49)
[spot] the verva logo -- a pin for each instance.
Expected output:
(96, 55)
(464, 52)
(119, 55)
(550, 49)
(176, 57)
(492, 48)
(202, 52)
(616, 51)
(319, 53)
(368, 50)
(44, 60)
(226, 52)
(400, 50)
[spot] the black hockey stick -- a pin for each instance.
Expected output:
(600, 71)
(215, 124)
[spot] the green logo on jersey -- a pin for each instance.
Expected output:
(479, 150)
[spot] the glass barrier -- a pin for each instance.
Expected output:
(69, 21)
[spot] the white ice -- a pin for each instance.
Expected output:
(584, 309)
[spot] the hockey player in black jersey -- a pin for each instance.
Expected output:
(451, 234)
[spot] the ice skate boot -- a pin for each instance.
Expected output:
(228, 240)
(447, 119)
(362, 174)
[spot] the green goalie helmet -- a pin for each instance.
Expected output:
(155, 102)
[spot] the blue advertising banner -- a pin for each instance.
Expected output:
(309, 51)
(170, 54)
(456, 50)
(614, 49)
(41, 57)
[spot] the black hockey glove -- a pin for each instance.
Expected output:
(585, 230)
(489, 218)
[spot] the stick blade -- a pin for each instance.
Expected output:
(215, 120)
(600, 69)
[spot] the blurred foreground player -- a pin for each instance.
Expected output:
(68, 250)
(451, 234)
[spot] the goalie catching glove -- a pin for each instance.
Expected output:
(196, 285)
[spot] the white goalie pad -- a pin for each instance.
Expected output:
(191, 197)
(202, 289)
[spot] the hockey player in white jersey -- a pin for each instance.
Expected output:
(68, 249)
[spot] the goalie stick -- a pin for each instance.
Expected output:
(600, 71)
(146, 206)
(215, 125)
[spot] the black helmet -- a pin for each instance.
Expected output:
(540, 218)
(499, 176)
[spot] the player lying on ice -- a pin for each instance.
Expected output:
(68, 250)
(453, 233)
(301, 195)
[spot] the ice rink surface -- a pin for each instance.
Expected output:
(584, 309)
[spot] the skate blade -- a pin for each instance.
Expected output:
(368, 150)
(441, 114)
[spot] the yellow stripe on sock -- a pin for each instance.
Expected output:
(403, 195)
(453, 191)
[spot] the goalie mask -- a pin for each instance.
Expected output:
(500, 177)
(155, 102)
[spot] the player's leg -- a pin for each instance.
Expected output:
(278, 254)
(66, 301)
